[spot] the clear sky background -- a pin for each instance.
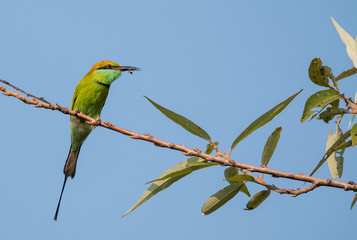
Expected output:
(219, 63)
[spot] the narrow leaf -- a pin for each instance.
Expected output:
(348, 41)
(263, 119)
(344, 145)
(192, 164)
(270, 146)
(354, 135)
(230, 172)
(347, 73)
(202, 164)
(353, 201)
(319, 99)
(182, 121)
(332, 149)
(240, 178)
(189, 165)
(257, 199)
(170, 176)
(221, 197)
(315, 73)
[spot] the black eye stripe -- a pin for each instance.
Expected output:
(108, 66)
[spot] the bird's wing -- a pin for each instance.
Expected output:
(75, 95)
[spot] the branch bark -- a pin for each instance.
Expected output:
(221, 158)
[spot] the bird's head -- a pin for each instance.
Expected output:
(107, 71)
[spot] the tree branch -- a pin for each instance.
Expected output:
(222, 159)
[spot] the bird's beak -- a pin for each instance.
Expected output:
(126, 68)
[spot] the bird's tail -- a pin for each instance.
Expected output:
(71, 163)
(69, 171)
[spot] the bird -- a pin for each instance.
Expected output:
(89, 98)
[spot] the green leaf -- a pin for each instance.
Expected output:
(354, 135)
(329, 114)
(257, 199)
(315, 74)
(240, 178)
(327, 72)
(263, 119)
(221, 197)
(353, 201)
(344, 145)
(346, 73)
(191, 164)
(334, 162)
(202, 164)
(270, 146)
(166, 179)
(341, 140)
(319, 99)
(230, 172)
(210, 148)
(182, 121)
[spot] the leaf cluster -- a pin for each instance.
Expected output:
(323, 105)
(237, 181)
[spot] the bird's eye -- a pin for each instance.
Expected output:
(108, 66)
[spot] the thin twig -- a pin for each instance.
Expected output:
(27, 94)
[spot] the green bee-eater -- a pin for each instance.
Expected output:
(89, 98)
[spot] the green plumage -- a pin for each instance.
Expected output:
(89, 98)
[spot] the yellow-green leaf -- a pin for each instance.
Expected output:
(263, 119)
(191, 164)
(353, 201)
(346, 73)
(202, 164)
(318, 100)
(166, 179)
(354, 135)
(221, 197)
(315, 73)
(344, 145)
(270, 146)
(182, 121)
(257, 199)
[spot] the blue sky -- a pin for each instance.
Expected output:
(219, 63)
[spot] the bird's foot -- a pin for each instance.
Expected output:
(94, 122)
(107, 124)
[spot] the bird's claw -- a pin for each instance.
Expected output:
(107, 124)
